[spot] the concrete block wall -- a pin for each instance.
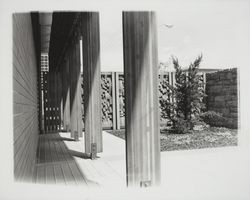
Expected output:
(25, 98)
(222, 91)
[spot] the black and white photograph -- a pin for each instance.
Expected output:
(125, 99)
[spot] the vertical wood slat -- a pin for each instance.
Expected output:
(91, 76)
(141, 96)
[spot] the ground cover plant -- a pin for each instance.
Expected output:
(195, 139)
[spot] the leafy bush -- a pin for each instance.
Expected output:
(213, 118)
(181, 126)
(188, 93)
(189, 90)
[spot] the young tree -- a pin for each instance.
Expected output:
(188, 93)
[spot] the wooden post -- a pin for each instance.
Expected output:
(59, 99)
(92, 82)
(75, 93)
(78, 89)
(66, 94)
(141, 97)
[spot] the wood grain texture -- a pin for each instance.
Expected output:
(55, 164)
(25, 98)
(141, 97)
(75, 90)
(66, 94)
(91, 76)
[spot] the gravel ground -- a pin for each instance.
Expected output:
(211, 137)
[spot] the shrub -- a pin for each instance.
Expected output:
(189, 90)
(188, 93)
(213, 118)
(181, 126)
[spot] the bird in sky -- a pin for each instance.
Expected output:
(168, 25)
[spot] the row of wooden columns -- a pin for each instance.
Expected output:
(84, 43)
(141, 92)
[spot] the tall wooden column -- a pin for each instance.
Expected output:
(58, 98)
(141, 99)
(92, 83)
(66, 94)
(75, 92)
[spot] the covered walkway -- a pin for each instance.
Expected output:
(50, 51)
(60, 161)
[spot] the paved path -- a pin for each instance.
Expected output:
(60, 160)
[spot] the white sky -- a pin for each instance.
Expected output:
(220, 30)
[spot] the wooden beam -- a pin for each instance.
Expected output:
(141, 97)
(91, 77)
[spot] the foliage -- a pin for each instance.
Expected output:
(213, 118)
(181, 126)
(188, 93)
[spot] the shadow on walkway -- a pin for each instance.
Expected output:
(55, 163)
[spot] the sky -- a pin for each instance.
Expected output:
(219, 30)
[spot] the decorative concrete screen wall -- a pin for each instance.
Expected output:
(25, 97)
(221, 88)
(113, 98)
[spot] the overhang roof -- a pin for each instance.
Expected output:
(62, 23)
